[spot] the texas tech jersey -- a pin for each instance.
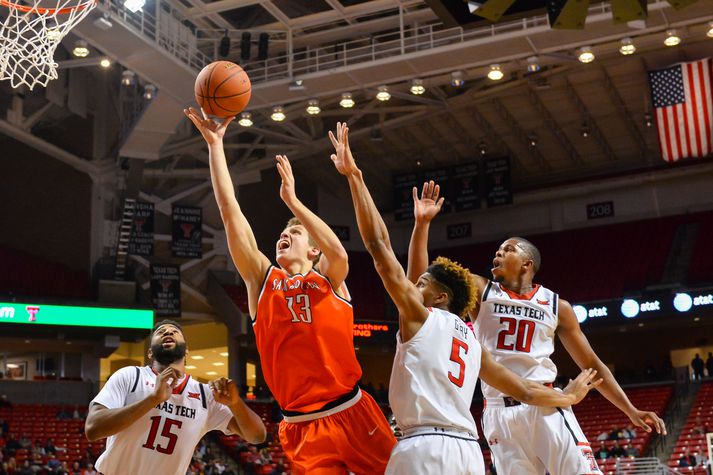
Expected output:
(163, 440)
(519, 331)
(434, 374)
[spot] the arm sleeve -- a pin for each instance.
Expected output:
(219, 415)
(119, 384)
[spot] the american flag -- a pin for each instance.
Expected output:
(683, 102)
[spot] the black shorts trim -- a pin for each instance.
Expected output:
(442, 435)
(330, 405)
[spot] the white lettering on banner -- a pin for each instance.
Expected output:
(7, 312)
(700, 300)
(650, 306)
(597, 312)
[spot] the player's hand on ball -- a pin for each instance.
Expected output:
(225, 391)
(165, 382)
(427, 207)
(287, 187)
(211, 130)
(343, 159)
(582, 384)
(646, 419)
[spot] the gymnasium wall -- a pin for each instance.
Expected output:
(45, 205)
(660, 193)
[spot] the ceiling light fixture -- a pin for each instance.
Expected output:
(532, 140)
(211, 373)
(128, 78)
(533, 64)
(347, 100)
(196, 357)
(105, 63)
(313, 107)
(710, 29)
(482, 148)
(278, 114)
(297, 85)
(585, 54)
(190, 366)
(218, 363)
(81, 49)
(417, 87)
(672, 38)
(495, 73)
(383, 94)
(457, 79)
(246, 119)
(224, 353)
(627, 46)
(585, 130)
(149, 92)
(648, 120)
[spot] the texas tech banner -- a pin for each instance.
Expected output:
(142, 227)
(187, 232)
(166, 290)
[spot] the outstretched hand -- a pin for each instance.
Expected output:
(224, 391)
(645, 419)
(211, 130)
(427, 207)
(287, 187)
(343, 159)
(582, 384)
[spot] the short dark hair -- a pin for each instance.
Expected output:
(531, 251)
(461, 288)
(166, 322)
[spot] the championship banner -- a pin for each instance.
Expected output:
(187, 232)
(465, 189)
(497, 181)
(166, 290)
(142, 229)
(403, 195)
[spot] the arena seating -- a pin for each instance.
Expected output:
(236, 447)
(692, 440)
(596, 415)
(39, 423)
(27, 275)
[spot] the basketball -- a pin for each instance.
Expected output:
(222, 89)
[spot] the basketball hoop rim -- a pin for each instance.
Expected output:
(46, 11)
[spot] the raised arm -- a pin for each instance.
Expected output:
(577, 345)
(103, 422)
(530, 392)
(251, 263)
(334, 262)
(373, 232)
(425, 209)
(245, 422)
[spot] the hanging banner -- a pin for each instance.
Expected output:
(442, 178)
(187, 232)
(166, 290)
(466, 192)
(497, 181)
(403, 195)
(142, 229)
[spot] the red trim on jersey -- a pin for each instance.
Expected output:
(516, 296)
(180, 386)
(584, 443)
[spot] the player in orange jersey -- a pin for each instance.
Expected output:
(303, 319)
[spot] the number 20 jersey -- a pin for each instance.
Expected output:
(519, 331)
(305, 336)
(434, 375)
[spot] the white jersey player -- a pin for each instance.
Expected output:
(516, 321)
(154, 416)
(438, 359)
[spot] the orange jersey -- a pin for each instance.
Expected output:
(304, 334)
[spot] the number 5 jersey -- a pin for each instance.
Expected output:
(163, 440)
(434, 375)
(519, 331)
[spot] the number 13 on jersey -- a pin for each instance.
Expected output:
(299, 308)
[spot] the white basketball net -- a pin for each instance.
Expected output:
(30, 34)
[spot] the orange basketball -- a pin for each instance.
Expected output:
(222, 89)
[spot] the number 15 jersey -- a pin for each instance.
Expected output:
(519, 331)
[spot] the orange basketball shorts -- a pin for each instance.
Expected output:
(357, 439)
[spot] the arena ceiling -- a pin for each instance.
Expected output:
(537, 118)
